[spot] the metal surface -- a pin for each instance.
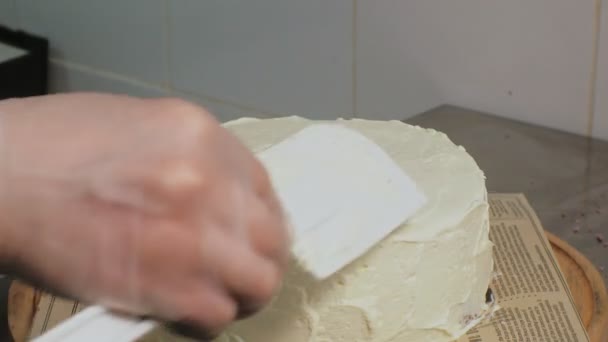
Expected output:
(564, 176)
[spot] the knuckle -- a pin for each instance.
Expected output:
(268, 232)
(267, 285)
(226, 314)
(263, 178)
(261, 174)
(271, 243)
(262, 182)
(181, 177)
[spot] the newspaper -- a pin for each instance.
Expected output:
(534, 299)
(534, 302)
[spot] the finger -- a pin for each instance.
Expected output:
(267, 233)
(250, 277)
(166, 258)
(260, 178)
(204, 312)
(267, 194)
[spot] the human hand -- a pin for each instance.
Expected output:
(144, 206)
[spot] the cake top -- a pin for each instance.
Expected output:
(449, 176)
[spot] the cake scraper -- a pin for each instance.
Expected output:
(341, 193)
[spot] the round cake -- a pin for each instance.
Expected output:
(427, 281)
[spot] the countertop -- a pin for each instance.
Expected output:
(564, 176)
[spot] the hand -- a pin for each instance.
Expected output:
(145, 206)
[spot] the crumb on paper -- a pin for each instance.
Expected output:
(576, 229)
(467, 319)
(599, 237)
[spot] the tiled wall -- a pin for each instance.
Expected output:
(381, 59)
(8, 13)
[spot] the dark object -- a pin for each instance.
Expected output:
(5, 334)
(489, 296)
(25, 75)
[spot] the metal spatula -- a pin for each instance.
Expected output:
(342, 195)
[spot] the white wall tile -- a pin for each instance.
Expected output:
(527, 60)
(64, 77)
(8, 15)
(392, 81)
(123, 36)
(280, 56)
(600, 125)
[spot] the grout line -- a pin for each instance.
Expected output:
(354, 66)
(594, 62)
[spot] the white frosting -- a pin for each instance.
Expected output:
(425, 282)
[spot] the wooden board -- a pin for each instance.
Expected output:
(22, 303)
(585, 282)
(587, 288)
